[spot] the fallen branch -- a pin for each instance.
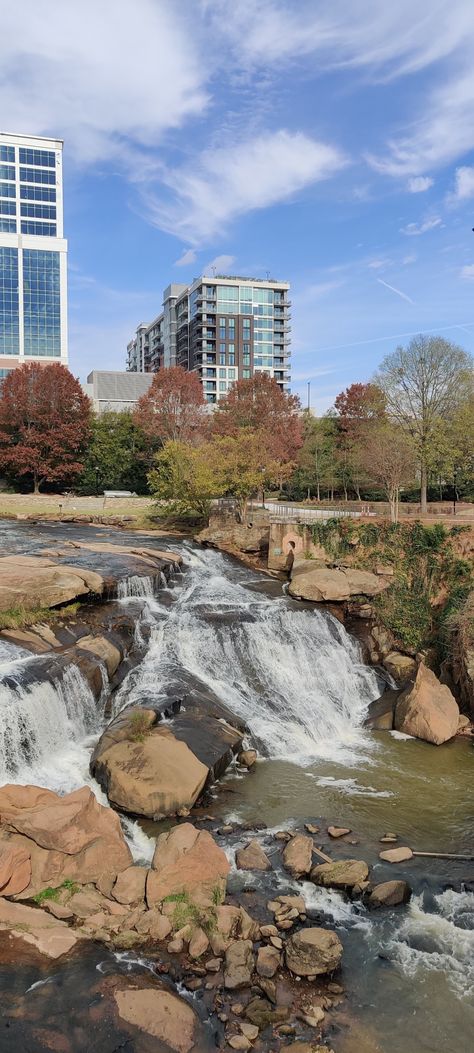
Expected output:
(443, 855)
(321, 855)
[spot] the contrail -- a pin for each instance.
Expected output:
(397, 291)
(390, 336)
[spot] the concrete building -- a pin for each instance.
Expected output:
(113, 390)
(33, 252)
(224, 328)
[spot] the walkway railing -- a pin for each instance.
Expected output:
(281, 511)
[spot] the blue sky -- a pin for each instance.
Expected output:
(328, 143)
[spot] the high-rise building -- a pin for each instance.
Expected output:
(224, 328)
(33, 252)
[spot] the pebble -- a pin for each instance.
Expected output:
(335, 988)
(250, 1031)
(388, 839)
(237, 1008)
(277, 942)
(282, 835)
(213, 965)
(175, 947)
(311, 828)
(338, 831)
(239, 1042)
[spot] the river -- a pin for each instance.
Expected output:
(296, 677)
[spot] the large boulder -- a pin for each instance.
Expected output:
(427, 709)
(341, 874)
(239, 965)
(35, 581)
(381, 712)
(298, 854)
(401, 666)
(324, 585)
(163, 1015)
(49, 936)
(312, 952)
(187, 861)
(389, 894)
(71, 837)
(252, 857)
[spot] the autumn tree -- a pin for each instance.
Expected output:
(173, 408)
(423, 384)
(389, 457)
(116, 456)
(184, 479)
(259, 404)
(357, 408)
(45, 420)
(243, 465)
(316, 459)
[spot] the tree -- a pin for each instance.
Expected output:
(173, 407)
(317, 456)
(185, 479)
(116, 457)
(243, 465)
(261, 405)
(357, 408)
(423, 384)
(44, 424)
(389, 457)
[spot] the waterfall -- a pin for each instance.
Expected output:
(44, 726)
(136, 586)
(292, 673)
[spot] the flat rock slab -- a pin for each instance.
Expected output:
(50, 936)
(163, 1015)
(396, 855)
(342, 874)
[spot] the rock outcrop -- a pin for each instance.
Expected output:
(189, 862)
(389, 894)
(343, 874)
(427, 709)
(64, 838)
(48, 935)
(312, 952)
(324, 585)
(298, 855)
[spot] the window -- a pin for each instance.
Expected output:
(41, 299)
(3, 375)
(47, 158)
(9, 306)
(222, 328)
(231, 349)
(7, 153)
(40, 211)
(36, 175)
(231, 359)
(47, 229)
(232, 325)
(222, 348)
(246, 323)
(246, 374)
(231, 374)
(7, 190)
(246, 360)
(246, 349)
(7, 173)
(37, 193)
(228, 292)
(222, 385)
(7, 208)
(222, 358)
(8, 226)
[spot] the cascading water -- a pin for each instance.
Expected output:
(294, 675)
(136, 586)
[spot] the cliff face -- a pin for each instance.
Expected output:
(462, 663)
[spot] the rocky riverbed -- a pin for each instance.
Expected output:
(267, 915)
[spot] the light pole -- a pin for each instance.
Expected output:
(97, 471)
(309, 396)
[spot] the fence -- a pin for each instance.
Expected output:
(306, 515)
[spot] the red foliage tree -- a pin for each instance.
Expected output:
(261, 405)
(44, 424)
(173, 407)
(358, 405)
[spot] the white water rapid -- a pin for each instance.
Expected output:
(293, 674)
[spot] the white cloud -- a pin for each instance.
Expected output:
(468, 272)
(189, 256)
(224, 183)
(463, 185)
(219, 265)
(418, 184)
(415, 229)
(107, 78)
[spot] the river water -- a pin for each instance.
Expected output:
(297, 678)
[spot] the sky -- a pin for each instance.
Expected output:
(329, 143)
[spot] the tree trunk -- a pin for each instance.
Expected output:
(318, 492)
(36, 484)
(423, 489)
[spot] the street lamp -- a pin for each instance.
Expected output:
(97, 472)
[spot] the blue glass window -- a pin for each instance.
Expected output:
(47, 229)
(35, 175)
(7, 208)
(8, 226)
(38, 193)
(7, 153)
(7, 190)
(47, 158)
(41, 303)
(9, 308)
(4, 374)
(39, 211)
(7, 172)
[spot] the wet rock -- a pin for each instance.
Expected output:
(293, 903)
(162, 1015)
(268, 960)
(261, 1013)
(297, 855)
(388, 839)
(282, 835)
(312, 952)
(130, 885)
(34, 926)
(313, 1017)
(338, 831)
(71, 837)
(247, 758)
(427, 709)
(381, 712)
(252, 857)
(342, 874)
(269, 988)
(311, 828)
(104, 649)
(389, 894)
(239, 965)
(187, 860)
(396, 855)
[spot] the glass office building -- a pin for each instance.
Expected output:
(33, 252)
(224, 328)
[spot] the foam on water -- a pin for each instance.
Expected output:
(349, 787)
(438, 936)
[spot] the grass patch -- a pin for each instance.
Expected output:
(187, 913)
(55, 893)
(140, 727)
(22, 617)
